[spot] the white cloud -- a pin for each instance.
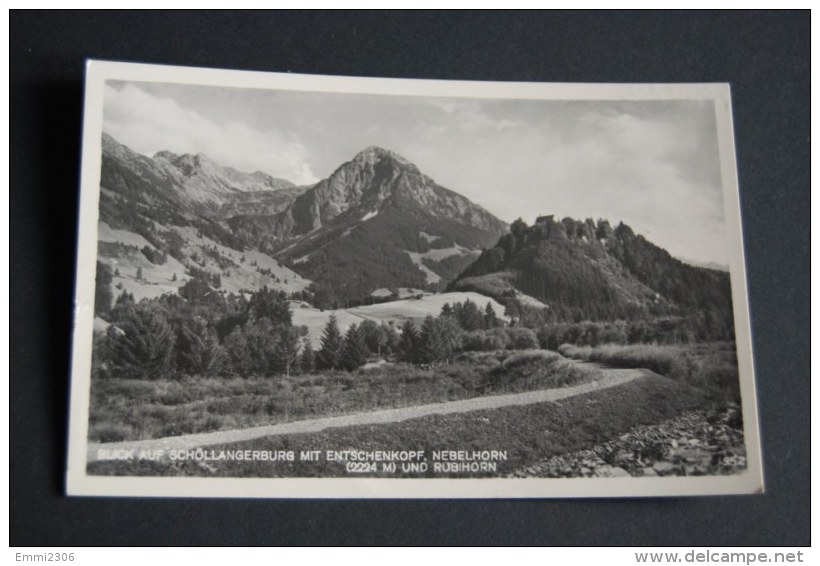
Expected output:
(628, 168)
(147, 124)
(651, 164)
(646, 171)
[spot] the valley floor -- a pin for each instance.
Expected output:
(138, 409)
(641, 421)
(610, 378)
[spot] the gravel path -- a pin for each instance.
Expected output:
(612, 377)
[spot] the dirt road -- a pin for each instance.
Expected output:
(612, 377)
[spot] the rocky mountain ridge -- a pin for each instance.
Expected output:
(194, 178)
(375, 222)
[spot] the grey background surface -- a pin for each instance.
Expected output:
(765, 57)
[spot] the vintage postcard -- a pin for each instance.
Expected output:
(333, 287)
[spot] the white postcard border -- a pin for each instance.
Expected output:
(78, 482)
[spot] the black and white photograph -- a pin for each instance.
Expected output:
(308, 286)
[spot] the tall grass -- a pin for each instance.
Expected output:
(129, 409)
(529, 433)
(711, 366)
(537, 369)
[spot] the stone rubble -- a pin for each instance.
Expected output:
(698, 443)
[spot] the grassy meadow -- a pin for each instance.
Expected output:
(528, 433)
(133, 409)
(709, 366)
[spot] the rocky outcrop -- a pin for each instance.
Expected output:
(698, 443)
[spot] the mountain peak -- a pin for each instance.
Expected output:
(166, 155)
(374, 153)
(189, 164)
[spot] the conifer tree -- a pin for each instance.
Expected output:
(267, 303)
(143, 344)
(198, 349)
(469, 316)
(450, 338)
(307, 360)
(239, 354)
(354, 351)
(391, 337)
(102, 290)
(490, 319)
(286, 351)
(408, 343)
(438, 340)
(429, 346)
(262, 339)
(329, 356)
(375, 336)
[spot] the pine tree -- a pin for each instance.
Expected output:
(354, 350)
(102, 290)
(267, 303)
(513, 310)
(263, 340)
(307, 360)
(408, 343)
(374, 335)
(450, 338)
(490, 319)
(428, 346)
(329, 356)
(198, 349)
(195, 290)
(286, 351)
(391, 337)
(438, 340)
(123, 305)
(139, 273)
(239, 354)
(143, 344)
(469, 316)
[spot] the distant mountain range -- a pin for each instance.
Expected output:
(375, 223)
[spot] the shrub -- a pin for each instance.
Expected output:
(537, 369)
(110, 432)
(711, 367)
(521, 338)
(503, 338)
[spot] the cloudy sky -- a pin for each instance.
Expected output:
(652, 164)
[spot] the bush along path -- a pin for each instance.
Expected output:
(703, 442)
(611, 377)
